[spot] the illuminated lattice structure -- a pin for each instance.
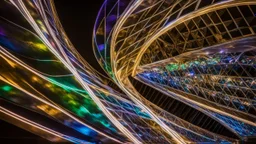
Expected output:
(198, 52)
(47, 88)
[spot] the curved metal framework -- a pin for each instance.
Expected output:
(172, 46)
(47, 88)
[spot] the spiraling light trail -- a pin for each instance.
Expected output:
(42, 72)
(20, 5)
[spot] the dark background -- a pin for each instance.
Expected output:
(78, 22)
(77, 18)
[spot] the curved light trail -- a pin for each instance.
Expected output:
(42, 74)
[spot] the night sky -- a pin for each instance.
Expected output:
(78, 21)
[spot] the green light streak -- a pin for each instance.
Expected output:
(7, 88)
